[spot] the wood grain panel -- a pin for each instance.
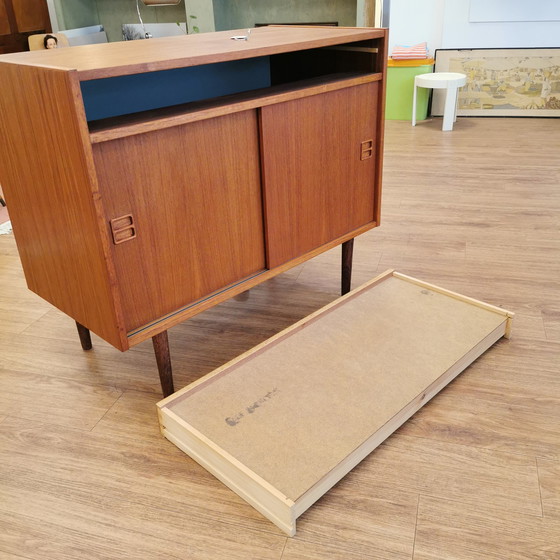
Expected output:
(450, 531)
(465, 474)
(136, 525)
(298, 549)
(375, 525)
(41, 355)
(194, 194)
(89, 402)
(478, 413)
(549, 477)
(4, 22)
(31, 15)
(317, 184)
(122, 58)
(46, 531)
(55, 218)
(380, 67)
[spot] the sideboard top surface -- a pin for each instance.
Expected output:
(134, 57)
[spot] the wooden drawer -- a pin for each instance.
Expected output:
(281, 424)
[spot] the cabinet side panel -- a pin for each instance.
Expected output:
(47, 176)
(380, 66)
(319, 165)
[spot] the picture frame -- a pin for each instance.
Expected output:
(502, 82)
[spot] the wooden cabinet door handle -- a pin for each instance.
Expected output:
(366, 149)
(123, 229)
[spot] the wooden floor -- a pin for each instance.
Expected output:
(85, 474)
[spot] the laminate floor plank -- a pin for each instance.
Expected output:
(516, 293)
(373, 527)
(54, 528)
(551, 320)
(450, 530)
(18, 316)
(456, 472)
(297, 549)
(8, 246)
(62, 401)
(488, 423)
(549, 476)
(477, 409)
(132, 412)
(198, 346)
(86, 466)
(65, 359)
(353, 519)
(19, 307)
(323, 272)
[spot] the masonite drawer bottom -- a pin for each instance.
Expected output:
(284, 422)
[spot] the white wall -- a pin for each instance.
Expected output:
(445, 24)
(55, 25)
(412, 22)
(459, 32)
(204, 12)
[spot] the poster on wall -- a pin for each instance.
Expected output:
(502, 82)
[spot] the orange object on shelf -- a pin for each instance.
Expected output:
(409, 63)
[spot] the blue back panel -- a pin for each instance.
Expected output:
(111, 97)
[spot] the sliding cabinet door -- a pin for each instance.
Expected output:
(318, 169)
(184, 211)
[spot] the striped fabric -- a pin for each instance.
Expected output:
(415, 52)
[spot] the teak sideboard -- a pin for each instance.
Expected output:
(150, 180)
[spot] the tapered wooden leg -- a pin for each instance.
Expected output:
(243, 296)
(347, 250)
(85, 336)
(163, 359)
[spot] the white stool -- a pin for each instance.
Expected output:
(451, 81)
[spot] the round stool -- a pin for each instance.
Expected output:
(451, 81)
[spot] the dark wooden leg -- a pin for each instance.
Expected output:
(85, 336)
(243, 296)
(347, 249)
(163, 359)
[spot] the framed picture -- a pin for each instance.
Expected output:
(502, 82)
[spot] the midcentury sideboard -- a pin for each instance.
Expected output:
(150, 180)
